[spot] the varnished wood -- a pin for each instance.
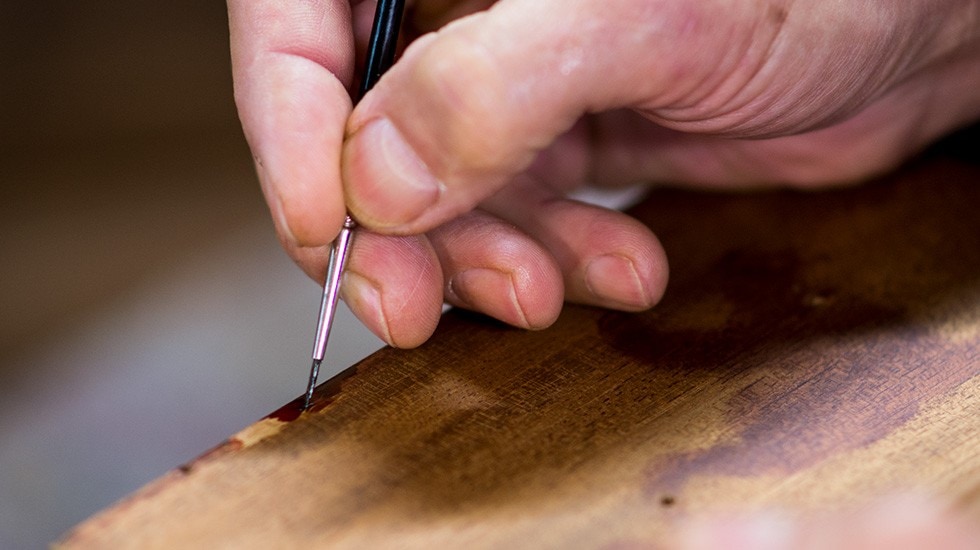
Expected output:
(813, 351)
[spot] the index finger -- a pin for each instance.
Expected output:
(292, 64)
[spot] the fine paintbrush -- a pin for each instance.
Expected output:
(380, 56)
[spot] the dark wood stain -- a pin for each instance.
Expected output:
(833, 377)
(322, 397)
(807, 325)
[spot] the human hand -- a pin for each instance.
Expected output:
(458, 161)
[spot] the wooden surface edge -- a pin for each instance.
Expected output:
(812, 351)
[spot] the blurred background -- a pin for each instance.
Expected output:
(146, 310)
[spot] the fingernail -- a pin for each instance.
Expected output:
(279, 214)
(364, 299)
(274, 201)
(613, 279)
(394, 185)
(491, 292)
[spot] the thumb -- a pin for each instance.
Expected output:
(469, 107)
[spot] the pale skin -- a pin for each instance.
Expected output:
(456, 165)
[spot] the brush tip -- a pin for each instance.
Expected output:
(314, 371)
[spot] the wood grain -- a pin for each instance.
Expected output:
(813, 351)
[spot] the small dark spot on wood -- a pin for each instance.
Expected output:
(667, 501)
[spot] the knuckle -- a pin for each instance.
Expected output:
(468, 94)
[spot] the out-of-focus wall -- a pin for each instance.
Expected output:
(115, 114)
(103, 69)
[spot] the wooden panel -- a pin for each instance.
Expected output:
(813, 351)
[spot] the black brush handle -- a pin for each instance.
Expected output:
(384, 42)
